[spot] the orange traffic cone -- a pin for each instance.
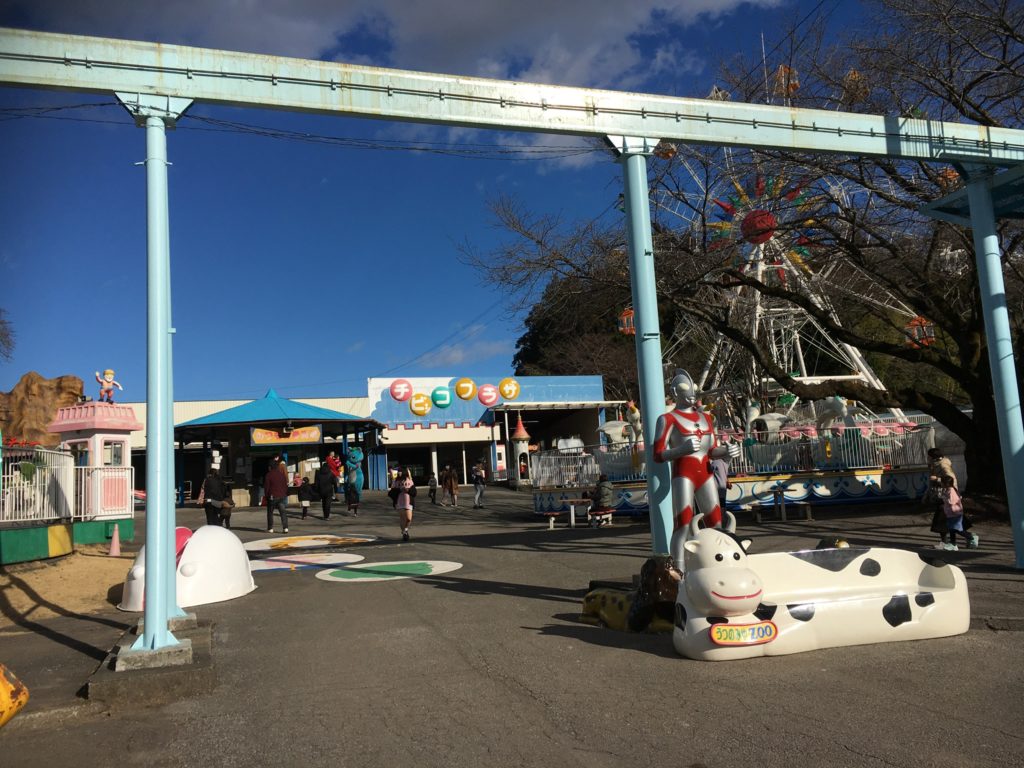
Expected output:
(115, 543)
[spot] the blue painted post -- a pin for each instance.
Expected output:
(1000, 353)
(158, 485)
(648, 343)
(170, 563)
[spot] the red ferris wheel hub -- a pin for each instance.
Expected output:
(758, 226)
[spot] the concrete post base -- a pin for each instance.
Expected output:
(171, 656)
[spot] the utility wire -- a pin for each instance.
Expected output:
(468, 150)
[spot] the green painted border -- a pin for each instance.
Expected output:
(101, 531)
(19, 545)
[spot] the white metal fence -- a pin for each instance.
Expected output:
(40, 484)
(865, 446)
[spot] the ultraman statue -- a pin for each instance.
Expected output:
(686, 437)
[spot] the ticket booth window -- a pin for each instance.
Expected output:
(113, 454)
(80, 452)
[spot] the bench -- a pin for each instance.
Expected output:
(600, 516)
(777, 508)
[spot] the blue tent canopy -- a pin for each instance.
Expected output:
(272, 408)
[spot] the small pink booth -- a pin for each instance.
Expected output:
(98, 436)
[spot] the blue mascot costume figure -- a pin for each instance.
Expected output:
(354, 479)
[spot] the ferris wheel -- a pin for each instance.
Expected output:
(764, 227)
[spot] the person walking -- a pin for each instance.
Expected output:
(479, 476)
(275, 486)
(325, 487)
(449, 486)
(720, 469)
(940, 472)
(442, 480)
(432, 488)
(406, 492)
(953, 508)
(305, 496)
(213, 497)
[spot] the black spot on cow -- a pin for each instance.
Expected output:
(680, 616)
(924, 599)
(765, 612)
(870, 567)
(712, 620)
(833, 560)
(801, 611)
(897, 610)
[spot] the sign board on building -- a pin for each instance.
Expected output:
(309, 434)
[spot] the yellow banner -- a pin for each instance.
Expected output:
(310, 434)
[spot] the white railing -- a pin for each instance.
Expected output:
(38, 485)
(568, 470)
(879, 445)
(104, 493)
(864, 446)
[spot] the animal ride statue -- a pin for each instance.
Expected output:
(686, 437)
(354, 479)
(732, 605)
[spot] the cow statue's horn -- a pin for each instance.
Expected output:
(730, 518)
(694, 528)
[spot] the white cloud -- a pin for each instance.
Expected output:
(473, 352)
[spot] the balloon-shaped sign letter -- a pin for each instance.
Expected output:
(401, 390)
(465, 389)
(442, 397)
(488, 395)
(509, 388)
(420, 404)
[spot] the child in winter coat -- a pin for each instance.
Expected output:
(305, 496)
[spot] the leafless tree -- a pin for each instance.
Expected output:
(858, 218)
(6, 336)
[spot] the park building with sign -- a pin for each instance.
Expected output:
(419, 423)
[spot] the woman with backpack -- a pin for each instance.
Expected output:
(404, 491)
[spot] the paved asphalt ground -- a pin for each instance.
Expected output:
(489, 666)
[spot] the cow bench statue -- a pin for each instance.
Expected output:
(732, 605)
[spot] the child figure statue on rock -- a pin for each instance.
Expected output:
(107, 385)
(686, 437)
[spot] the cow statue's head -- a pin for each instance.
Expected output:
(718, 580)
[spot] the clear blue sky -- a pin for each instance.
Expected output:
(306, 266)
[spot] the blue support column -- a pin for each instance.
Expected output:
(173, 610)
(1000, 353)
(155, 113)
(159, 486)
(648, 336)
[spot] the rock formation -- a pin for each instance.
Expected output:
(27, 409)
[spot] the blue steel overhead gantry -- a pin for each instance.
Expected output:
(156, 83)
